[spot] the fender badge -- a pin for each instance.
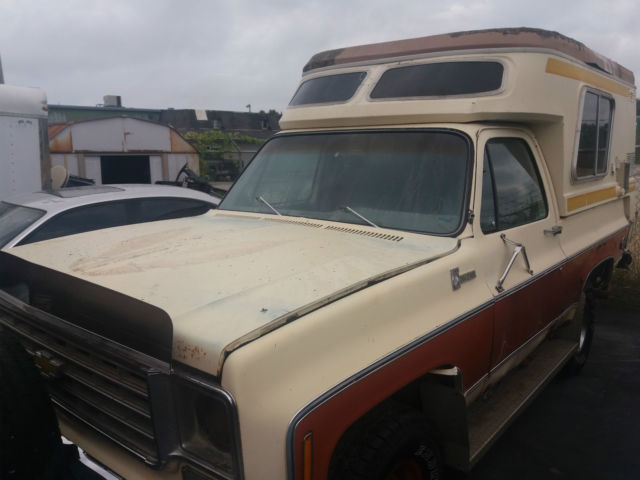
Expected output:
(457, 280)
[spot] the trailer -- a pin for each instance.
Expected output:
(24, 144)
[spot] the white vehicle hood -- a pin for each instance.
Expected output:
(226, 278)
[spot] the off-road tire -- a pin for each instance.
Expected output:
(29, 433)
(398, 445)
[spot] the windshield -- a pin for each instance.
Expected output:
(407, 180)
(14, 219)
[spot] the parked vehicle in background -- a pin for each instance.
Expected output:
(24, 144)
(50, 214)
(435, 213)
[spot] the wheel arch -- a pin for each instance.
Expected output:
(597, 280)
(439, 396)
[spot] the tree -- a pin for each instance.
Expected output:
(217, 146)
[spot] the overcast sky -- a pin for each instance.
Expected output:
(223, 55)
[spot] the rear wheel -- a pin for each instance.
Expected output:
(585, 339)
(398, 445)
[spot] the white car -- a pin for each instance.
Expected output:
(43, 215)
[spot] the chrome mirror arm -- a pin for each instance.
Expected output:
(518, 247)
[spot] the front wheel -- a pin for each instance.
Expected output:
(398, 445)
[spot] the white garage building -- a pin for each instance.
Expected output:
(121, 150)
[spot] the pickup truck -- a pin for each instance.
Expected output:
(390, 281)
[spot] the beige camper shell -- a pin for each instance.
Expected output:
(546, 76)
(324, 326)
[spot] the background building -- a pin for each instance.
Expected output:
(226, 140)
(120, 150)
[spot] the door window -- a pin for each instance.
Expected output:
(512, 192)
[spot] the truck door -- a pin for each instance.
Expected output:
(518, 233)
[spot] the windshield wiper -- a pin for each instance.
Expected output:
(347, 208)
(260, 199)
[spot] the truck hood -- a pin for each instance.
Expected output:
(225, 279)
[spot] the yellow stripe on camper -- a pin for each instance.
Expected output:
(568, 70)
(586, 199)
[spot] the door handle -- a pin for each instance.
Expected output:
(518, 247)
(555, 230)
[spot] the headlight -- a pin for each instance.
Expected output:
(207, 425)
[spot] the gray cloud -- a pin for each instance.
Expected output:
(224, 55)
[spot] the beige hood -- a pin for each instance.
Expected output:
(227, 278)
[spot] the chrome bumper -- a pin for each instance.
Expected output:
(87, 462)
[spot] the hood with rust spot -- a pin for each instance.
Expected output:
(225, 279)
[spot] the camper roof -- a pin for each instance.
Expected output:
(516, 38)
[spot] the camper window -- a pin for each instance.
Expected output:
(595, 128)
(328, 89)
(440, 79)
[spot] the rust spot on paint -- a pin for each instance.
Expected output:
(186, 351)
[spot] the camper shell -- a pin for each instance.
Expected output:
(543, 81)
(435, 213)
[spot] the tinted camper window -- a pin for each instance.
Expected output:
(329, 89)
(439, 79)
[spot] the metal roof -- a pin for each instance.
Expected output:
(63, 138)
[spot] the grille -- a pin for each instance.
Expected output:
(106, 393)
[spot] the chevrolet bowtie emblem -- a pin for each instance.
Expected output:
(49, 365)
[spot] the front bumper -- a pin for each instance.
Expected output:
(84, 467)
